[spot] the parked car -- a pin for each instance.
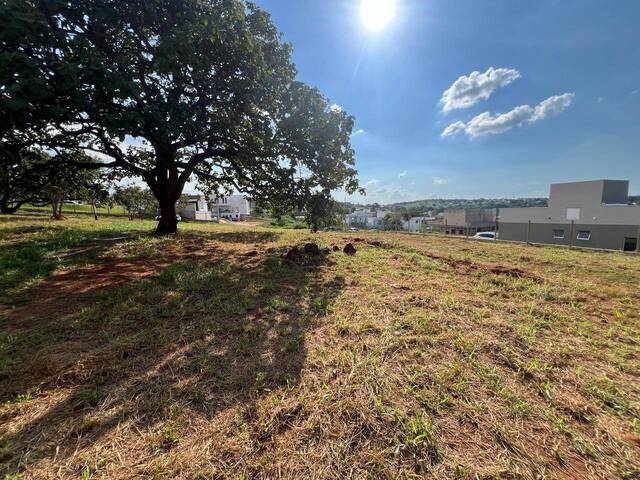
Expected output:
(72, 202)
(354, 229)
(485, 236)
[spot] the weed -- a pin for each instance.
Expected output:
(419, 438)
(275, 304)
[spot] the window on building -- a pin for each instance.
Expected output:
(558, 233)
(573, 214)
(584, 235)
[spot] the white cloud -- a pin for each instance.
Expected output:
(335, 108)
(440, 181)
(470, 89)
(553, 106)
(487, 124)
(402, 174)
(359, 131)
(454, 128)
(372, 183)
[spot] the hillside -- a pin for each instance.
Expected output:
(211, 356)
(438, 205)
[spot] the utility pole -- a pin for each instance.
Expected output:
(529, 232)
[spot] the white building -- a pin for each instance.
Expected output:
(230, 207)
(365, 218)
(196, 209)
(418, 224)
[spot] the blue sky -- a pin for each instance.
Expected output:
(393, 82)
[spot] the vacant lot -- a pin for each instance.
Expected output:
(211, 356)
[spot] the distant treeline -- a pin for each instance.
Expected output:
(441, 204)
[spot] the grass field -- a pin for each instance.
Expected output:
(209, 355)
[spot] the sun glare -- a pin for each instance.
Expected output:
(376, 14)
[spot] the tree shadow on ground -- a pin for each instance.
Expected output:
(23, 217)
(248, 236)
(24, 260)
(202, 336)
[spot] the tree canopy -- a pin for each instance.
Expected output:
(30, 175)
(170, 91)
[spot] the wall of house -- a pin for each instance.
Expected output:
(481, 217)
(237, 203)
(610, 237)
(455, 216)
(589, 214)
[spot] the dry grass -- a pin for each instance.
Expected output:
(209, 356)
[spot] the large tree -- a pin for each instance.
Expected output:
(169, 90)
(29, 175)
(136, 200)
(22, 178)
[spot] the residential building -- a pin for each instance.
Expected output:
(469, 221)
(594, 214)
(365, 218)
(196, 209)
(230, 207)
(357, 217)
(419, 224)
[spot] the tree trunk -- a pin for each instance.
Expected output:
(94, 210)
(54, 205)
(57, 200)
(168, 223)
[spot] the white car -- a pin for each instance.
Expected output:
(485, 236)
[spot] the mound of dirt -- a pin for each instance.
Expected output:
(294, 255)
(311, 249)
(467, 265)
(349, 249)
(511, 272)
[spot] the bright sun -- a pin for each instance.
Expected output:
(376, 14)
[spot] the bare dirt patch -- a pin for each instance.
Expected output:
(468, 265)
(65, 291)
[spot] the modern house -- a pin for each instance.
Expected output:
(196, 209)
(594, 214)
(419, 224)
(365, 218)
(469, 221)
(230, 207)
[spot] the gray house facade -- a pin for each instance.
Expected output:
(593, 214)
(469, 221)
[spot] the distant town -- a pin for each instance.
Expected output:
(590, 214)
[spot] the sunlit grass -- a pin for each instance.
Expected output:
(411, 359)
